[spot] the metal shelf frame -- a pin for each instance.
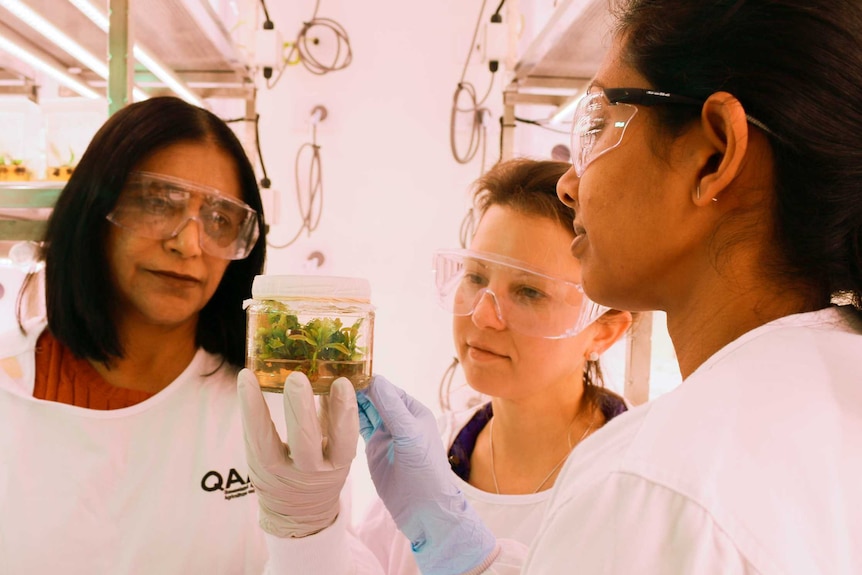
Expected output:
(559, 62)
(185, 44)
(184, 37)
(25, 208)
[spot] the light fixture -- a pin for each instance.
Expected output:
(48, 68)
(566, 110)
(62, 41)
(161, 72)
(150, 62)
(94, 13)
(55, 35)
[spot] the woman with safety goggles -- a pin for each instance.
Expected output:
(716, 177)
(528, 339)
(121, 446)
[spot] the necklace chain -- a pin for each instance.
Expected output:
(553, 469)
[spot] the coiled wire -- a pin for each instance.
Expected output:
(478, 132)
(302, 46)
(311, 212)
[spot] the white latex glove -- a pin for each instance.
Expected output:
(298, 483)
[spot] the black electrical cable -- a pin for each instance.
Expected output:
(472, 91)
(264, 182)
(477, 129)
(267, 25)
(540, 124)
(472, 42)
(310, 220)
(314, 65)
(302, 47)
(484, 148)
(266, 12)
(445, 390)
(468, 227)
(315, 185)
(496, 12)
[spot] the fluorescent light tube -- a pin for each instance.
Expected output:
(55, 35)
(95, 14)
(159, 70)
(64, 42)
(52, 70)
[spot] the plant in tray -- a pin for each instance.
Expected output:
(61, 171)
(19, 171)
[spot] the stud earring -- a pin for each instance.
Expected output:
(697, 193)
(594, 356)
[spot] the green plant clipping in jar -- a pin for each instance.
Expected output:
(322, 339)
(316, 326)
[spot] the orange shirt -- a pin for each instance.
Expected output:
(64, 378)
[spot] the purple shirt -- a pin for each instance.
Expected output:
(462, 448)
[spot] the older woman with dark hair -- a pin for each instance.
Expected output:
(80, 290)
(121, 445)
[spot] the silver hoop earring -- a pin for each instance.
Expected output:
(697, 192)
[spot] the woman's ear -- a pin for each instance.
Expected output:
(608, 329)
(726, 130)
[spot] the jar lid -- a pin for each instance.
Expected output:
(311, 286)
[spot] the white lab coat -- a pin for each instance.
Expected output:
(157, 487)
(753, 465)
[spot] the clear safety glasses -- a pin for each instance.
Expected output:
(602, 116)
(525, 299)
(159, 207)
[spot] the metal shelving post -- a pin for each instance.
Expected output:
(120, 72)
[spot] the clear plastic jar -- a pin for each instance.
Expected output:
(322, 326)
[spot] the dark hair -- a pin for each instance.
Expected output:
(78, 289)
(796, 66)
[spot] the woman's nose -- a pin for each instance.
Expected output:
(567, 188)
(486, 312)
(187, 240)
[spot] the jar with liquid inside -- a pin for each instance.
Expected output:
(322, 326)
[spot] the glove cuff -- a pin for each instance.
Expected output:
(458, 542)
(292, 526)
(484, 565)
(314, 554)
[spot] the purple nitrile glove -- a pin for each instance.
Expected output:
(410, 470)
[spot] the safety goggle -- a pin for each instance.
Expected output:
(602, 116)
(159, 207)
(524, 299)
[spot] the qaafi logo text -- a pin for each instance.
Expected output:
(233, 484)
